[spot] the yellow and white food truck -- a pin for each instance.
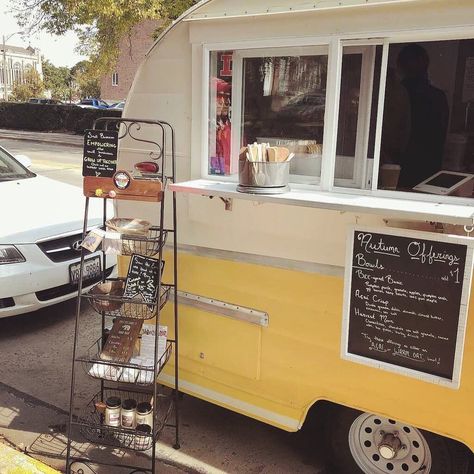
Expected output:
(349, 282)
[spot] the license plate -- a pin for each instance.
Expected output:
(92, 269)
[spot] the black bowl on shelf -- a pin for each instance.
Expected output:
(116, 305)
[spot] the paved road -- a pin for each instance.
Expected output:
(36, 352)
(61, 162)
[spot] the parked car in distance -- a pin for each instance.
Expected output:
(40, 235)
(119, 105)
(39, 100)
(93, 103)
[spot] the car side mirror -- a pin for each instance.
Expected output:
(24, 160)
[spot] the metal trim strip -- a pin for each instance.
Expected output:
(222, 308)
(277, 262)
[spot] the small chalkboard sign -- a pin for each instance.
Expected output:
(142, 279)
(100, 153)
(406, 298)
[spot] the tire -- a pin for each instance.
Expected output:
(447, 456)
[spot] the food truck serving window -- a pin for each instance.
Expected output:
(281, 101)
(404, 118)
(284, 100)
(428, 125)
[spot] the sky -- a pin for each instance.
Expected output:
(58, 49)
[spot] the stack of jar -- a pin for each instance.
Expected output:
(131, 415)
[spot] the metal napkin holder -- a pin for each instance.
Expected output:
(263, 177)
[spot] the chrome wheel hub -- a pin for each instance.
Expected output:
(383, 446)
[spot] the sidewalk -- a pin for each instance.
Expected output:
(43, 137)
(15, 462)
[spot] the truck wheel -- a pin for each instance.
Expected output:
(370, 444)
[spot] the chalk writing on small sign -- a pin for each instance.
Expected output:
(142, 279)
(404, 301)
(100, 153)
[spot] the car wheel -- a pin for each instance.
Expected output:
(363, 443)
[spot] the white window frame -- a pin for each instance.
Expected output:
(367, 50)
(251, 49)
(115, 79)
(336, 44)
(238, 58)
(395, 37)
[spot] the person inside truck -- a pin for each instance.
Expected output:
(423, 155)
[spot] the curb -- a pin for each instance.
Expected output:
(57, 139)
(15, 462)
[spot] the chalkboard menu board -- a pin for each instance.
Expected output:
(142, 279)
(406, 299)
(100, 153)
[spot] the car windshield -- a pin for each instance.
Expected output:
(10, 169)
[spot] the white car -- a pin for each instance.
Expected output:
(41, 223)
(119, 105)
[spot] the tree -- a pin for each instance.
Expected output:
(100, 24)
(32, 86)
(57, 80)
(86, 80)
(172, 9)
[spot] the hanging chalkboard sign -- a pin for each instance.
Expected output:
(100, 153)
(406, 297)
(142, 279)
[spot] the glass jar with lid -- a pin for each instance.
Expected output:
(112, 411)
(129, 414)
(144, 414)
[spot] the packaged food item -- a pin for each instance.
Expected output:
(112, 411)
(93, 240)
(129, 414)
(112, 243)
(144, 414)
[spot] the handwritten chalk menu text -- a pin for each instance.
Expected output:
(142, 279)
(100, 153)
(404, 297)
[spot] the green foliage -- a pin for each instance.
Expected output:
(172, 9)
(100, 24)
(31, 87)
(86, 79)
(57, 80)
(24, 116)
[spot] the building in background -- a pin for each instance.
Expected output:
(116, 84)
(15, 61)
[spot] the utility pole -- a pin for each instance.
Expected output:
(5, 96)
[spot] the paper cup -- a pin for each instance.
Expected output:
(389, 175)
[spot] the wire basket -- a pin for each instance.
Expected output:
(111, 301)
(92, 427)
(121, 372)
(147, 246)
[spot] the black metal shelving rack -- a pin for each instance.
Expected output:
(91, 422)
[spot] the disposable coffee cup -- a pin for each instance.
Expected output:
(390, 173)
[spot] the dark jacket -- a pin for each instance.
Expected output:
(423, 155)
